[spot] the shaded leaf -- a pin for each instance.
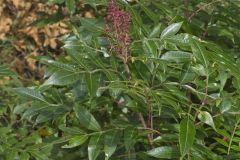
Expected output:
(186, 135)
(95, 26)
(62, 77)
(130, 137)
(91, 83)
(187, 75)
(11, 155)
(225, 105)
(150, 14)
(71, 130)
(111, 140)
(38, 155)
(70, 4)
(5, 71)
(86, 118)
(30, 93)
(155, 32)
(24, 156)
(94, 146)
(199, 52)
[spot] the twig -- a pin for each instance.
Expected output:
(206, 28)
(150, 120)
(186, 7)
(204, 101)
(152, 130)
(200, 9)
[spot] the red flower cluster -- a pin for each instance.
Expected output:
(117, 28)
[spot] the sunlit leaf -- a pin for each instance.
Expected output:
(76, 141)
(164, 152)
(206, 117)
(177, 56)
(171, 30)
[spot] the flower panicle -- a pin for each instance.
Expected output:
(117, 28)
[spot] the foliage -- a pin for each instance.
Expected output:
(176, 95)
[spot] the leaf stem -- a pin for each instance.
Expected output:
(231, 139)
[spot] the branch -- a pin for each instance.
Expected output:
(145, 127)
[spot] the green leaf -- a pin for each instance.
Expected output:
(93, 25)
(206, 117)
(164, 152)
(199, 52)
(223, 76)
(11, 155)
(150, 48)
(59, 65)
(94, 146)
(223, 59)
(150, 14)
(91, 83)
(70, 4)
(5, 71)
(44, 117)
(167, 138)
(76, 141)
(199, 70)
(177, 56)
(225, 105)
(222, 142)
(62, 78)
(111, 140)
(181, 39)
(71, 130)
(171, 30)
(56, 1)
(130, 135)
(20, 108)
(186, 135)
(33, 110)
(38, 155)
(95, 3)
(187, 75)
(86, 118)
(24, 156)
(203, 150)
(46, 19)
(138, 21)
(30, 93)
(155, 32)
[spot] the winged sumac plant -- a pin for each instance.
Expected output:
(131, 89)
